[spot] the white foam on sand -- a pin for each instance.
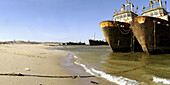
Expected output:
(119, 80)
(161, 80)
(75, 56)
(84, 66)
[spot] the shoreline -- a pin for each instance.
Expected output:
(42, 60)
(73, 69)
(70, 63)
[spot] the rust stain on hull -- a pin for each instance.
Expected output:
(118, 35)
(152, 34)
(139, 32)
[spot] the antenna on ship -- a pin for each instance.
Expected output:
(160, 3)
(127, 1)
(143, 8)
(115, 11)
(127, 4)
(136, 9)
(165, 5)
(150, 4)
(123, 8)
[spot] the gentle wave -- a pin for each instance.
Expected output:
(84, 66)
(118, 80)
(161, 80)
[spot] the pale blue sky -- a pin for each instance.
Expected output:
(57, 20)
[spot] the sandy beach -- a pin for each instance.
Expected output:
(32, 60)
(25, 64)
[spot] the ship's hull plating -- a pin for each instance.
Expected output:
(118, 35)
(153, 34)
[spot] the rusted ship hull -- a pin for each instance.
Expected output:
(118, 35)
(153, 34)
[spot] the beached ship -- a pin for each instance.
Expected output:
(118, 32)
(97, 42)
(152, 28)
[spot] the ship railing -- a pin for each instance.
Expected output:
(156, 5)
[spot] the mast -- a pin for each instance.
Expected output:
(94, 35)
(125, 7)
(131, 7)
(160, 3)
(150, 4)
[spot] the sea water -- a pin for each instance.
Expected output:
(118, 67)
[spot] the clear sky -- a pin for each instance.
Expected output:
(57, 20)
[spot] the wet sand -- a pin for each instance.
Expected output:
(70, 63)
(15, 58)
(74, 69)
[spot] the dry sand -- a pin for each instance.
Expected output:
(41, 61)
(16, 58)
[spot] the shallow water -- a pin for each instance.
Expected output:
(122, 68)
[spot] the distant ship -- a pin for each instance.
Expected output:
(118, 32)
(152, 29)
(75, 43)
(97, 42)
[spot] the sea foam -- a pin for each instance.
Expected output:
(161, 80)
(119, 80)
(75, 56)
